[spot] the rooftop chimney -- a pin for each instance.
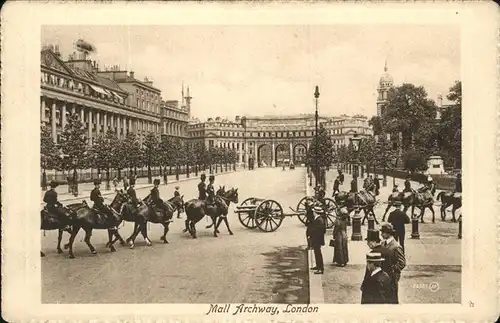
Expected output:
(131, 74)
(58, 54)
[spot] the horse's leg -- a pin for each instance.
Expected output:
(59, 238)
(443, 211)
(433, 214)
(130, 238)
(227, 225)
(165, 231)
(118, 237)
(214, 219)
(453, 209)
(110, 238)
(192, 230)
(76, 228)
(88, 234)
(186, 222)
(144, 231)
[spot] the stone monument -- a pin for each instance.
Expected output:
(435, 165)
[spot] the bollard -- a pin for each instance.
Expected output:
(414, 227)
(460, 227)
(371, 222)
(356, 226)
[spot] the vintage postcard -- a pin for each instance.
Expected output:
(229, 162)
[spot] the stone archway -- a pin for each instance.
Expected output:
(299, 154)
(264, 155)
(281, 154)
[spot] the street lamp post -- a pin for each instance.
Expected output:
(316, 96)
(356, 220)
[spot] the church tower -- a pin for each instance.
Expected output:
(384, 84)
(187, 100)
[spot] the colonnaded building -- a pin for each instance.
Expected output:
(110, 98)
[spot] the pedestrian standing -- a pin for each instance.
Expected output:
(376, 181)
(125, 183)
(336, 185)
(458, 183)
(340, 251)
(395, 260)
(398, 219)
(376, 287)
(317, 230)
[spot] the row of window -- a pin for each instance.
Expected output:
(230, 145)
(147, 95)
(148, 106)
(174, 114)
(79, 87)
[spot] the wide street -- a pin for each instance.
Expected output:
(250, 266)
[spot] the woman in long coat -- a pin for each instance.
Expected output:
(340, 252)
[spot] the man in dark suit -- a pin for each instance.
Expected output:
(407, 185)
(376, 287)
(336, 186)
(398, 219)
(317, 230)
(376, 181)
(395, 260)
(341, 177)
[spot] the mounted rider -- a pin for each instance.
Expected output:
(202, 188)
(53, 206)
(176, 192)
(155, 197)
(211, 190)
(407, 185)
(131, 193)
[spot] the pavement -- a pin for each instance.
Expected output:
(248, 267)
(432, 274)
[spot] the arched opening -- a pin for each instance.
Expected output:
(282, 155)
(264, 156)
(299, 154)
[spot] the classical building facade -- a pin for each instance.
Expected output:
(273, 140)
(104, 99)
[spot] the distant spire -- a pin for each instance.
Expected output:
(182, 92)
(385, 66)
(188, 92)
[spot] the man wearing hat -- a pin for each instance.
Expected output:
(131, 193)
(395, 260)
(376, 182)
(202, 188)
(317, 230)
(398, 219)
(407, 185)
(376, 287)
(155, 196)
(176, 194)
(341, 177)
(336, 186)
(211, 190)
(98, 199)
(54, 207)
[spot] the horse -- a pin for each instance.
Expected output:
(393, 198)
(197, 209)
(228, 197)
(422, 198)
(51, 222)
(88, 219)
(147, 213)
(447, 199)
(364, 200)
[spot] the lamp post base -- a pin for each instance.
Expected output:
(460, 227)
(414, 228)
(356, 227)
(371, 222)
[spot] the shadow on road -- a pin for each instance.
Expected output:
(289, 272)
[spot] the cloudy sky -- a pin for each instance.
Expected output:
(258, 70)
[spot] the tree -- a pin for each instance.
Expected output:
(367, 152)
(150, 151)
(132, 151)
(104, 153)
(49, 154)
(407, 109)
(413, 160)
(385, 156)
(450, 128)
(320, 153)
(73, 144)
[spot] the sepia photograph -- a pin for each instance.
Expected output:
(252, 169)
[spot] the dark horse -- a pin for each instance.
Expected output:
(51, 222)
(364, 200)
(146, 213)
(228, 197)
(447, 199)
(422, 199)
(88, 219)
(197, 209)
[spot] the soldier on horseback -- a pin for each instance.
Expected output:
(98, 199)
(54, 207)
(211, 190)
(407, 185)
(202, 188)
(131, 193)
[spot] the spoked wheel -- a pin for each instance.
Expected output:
(330, 208)
(247, 218)
(301, 207)
(269, 215)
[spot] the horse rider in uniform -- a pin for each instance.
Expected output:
(98, 199)
(176, 192)
(54, 207)
(211, 190)
(202, 188)
(155, 197)
(131, 193)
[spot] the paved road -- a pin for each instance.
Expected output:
(250, 266)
